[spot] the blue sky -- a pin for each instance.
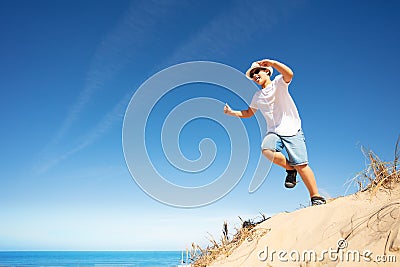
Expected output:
(68, 71)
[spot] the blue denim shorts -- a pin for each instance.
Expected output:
(295, 146)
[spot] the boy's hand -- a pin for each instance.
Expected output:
(266, 62)
(227, 109)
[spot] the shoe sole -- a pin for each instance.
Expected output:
(289, 185)
(316, 201)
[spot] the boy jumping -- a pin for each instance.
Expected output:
(283, 124)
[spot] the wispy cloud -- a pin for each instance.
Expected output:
(118, 48)
(240, 23)
(110, 119)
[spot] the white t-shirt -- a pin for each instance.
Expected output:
(278, 108)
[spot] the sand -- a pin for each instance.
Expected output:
(355, 230)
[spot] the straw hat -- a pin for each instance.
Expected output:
(255, 66)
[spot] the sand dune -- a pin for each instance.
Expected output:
(355, 230)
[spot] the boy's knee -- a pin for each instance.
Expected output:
(268, 153)
(300, 167)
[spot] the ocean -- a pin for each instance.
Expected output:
(90, 258)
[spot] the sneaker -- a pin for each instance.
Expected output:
(290, 180)
(317, 200)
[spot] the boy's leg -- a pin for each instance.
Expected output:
(307, 175)
(305, 171)
(309, 180)
(297, 152)
(271, 147)
(278, 158)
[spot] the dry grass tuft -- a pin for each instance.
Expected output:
(378, 174)
(248, 231)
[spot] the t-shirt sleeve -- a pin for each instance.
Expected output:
(281, 83)
(253, 103)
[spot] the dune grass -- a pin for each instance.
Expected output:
(378, 174)
(203, 257)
